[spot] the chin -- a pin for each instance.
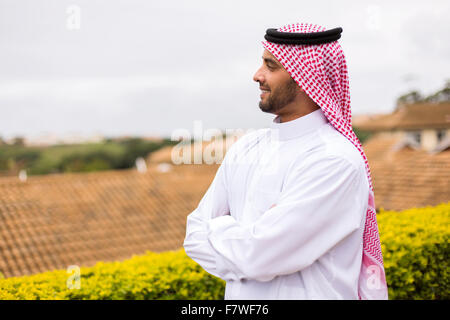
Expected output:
(264, 108)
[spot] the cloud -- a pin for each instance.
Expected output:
(153, 66)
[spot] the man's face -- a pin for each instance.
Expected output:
(277, 87)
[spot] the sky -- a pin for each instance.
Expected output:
(150, 68)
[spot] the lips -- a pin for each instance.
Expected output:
(263, 94)
(264, 91)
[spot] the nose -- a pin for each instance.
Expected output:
(258, 76)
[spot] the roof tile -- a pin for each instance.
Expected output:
(51, 221)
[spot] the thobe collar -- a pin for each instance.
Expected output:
(297, 127)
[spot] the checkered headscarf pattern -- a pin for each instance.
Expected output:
(321, 71)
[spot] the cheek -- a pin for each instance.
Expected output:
(270, 83)
(273, 88)
(275, 81)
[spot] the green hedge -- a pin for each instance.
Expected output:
(415, 246)
(165, 276)
(414, 243)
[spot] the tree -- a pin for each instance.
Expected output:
(18, 141)
(442, 95)
(409, 98)
(361, 134)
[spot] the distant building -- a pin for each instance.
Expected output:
(409, 155)
(196, 152)
(422, 126)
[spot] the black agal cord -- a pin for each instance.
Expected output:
(275, 36)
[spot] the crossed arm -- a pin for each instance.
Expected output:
(321, 204)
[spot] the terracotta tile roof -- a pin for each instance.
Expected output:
(53, 221)
(359, 120)
(407, 178)
(409, 117)
(164, 155)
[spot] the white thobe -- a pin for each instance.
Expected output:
(307, 246)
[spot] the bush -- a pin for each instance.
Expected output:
(415, 250)
(165, 276)
(362, 135)
(96, 156)
(414, 243)
(93, 161)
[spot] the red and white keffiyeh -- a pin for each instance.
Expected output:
(321, 71)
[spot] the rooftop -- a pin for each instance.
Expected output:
(408, 117)
(405, 177)
(53, 221)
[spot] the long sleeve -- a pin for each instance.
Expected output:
(321, 204)
(213, 204)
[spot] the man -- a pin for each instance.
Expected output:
(290, 213)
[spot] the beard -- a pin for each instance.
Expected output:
(279, 98)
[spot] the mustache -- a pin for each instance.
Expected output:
(263, 87)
